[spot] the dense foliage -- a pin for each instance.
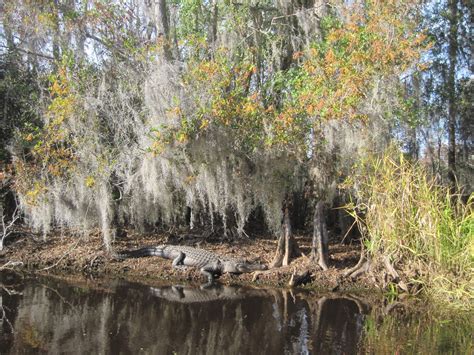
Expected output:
(417, 225)
(158, 113)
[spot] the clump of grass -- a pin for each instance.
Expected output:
(425, 231)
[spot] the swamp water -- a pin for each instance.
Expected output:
(45, 315)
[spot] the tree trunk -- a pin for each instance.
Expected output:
(287, 246)
(288, 236)
(319, 249)
(56, 34)
(80, 34)
(413, 146)
(164, 27)
(452, 56)
(215, 13)
(280, 251)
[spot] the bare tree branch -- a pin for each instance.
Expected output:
(7, 228)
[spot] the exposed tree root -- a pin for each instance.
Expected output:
(286, 250)
(315, 258)
(390, 275)
(362, 267)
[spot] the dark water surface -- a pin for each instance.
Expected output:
(43, 315)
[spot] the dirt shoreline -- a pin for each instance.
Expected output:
(85, 255)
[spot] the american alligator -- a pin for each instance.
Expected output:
(210, 264)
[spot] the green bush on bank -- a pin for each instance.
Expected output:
(425, 231)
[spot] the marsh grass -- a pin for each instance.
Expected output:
(425, 231)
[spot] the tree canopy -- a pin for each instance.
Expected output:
(191, 112)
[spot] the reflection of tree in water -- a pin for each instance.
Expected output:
(128, 318)
(291, 323)
(320, 324)
(337, 324)
(300, 343)
(10, 294)
(230, 325)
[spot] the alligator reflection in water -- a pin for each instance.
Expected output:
(55, 317)
(205, 293)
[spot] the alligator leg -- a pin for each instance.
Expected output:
(179, 260)
(212, 271)
(208, 273)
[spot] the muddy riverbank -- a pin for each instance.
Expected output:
(84, 254)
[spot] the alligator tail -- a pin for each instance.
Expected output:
(138, 253)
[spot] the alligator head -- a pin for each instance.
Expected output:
(240, 267)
